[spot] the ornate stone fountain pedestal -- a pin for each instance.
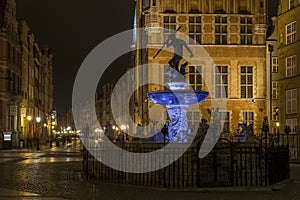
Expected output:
(177, 100)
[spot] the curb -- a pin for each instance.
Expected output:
(276, 187)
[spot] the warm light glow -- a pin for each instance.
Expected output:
(38, 119)
(113, 127)
(29, 118)
(45, 125)
(123, 127)
(277, 124)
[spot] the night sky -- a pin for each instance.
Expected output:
(71, 29)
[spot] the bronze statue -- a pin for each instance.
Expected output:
(178, 45)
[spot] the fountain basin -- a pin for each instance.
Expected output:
(178, 97)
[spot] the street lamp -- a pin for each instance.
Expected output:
(29, 141)
(287, 130)
(38, 120)
(277, 125)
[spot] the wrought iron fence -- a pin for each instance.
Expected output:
(229, 164)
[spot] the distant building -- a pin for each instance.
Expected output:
(26, 76)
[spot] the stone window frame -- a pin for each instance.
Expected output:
(291, 32)
(248, 117)
(275, 89)
(275, 64)
(222, 33)
(291, 101)
(193, 116)
(219, 75)
(292, 123)
(226, 121)
(197, 74)
(247, 24)
(169, 24)
(195, 34)
(291, 66)
(246, 87)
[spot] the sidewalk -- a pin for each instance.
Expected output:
(42, 147)
(14, 194)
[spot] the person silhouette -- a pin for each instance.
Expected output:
(178, 45)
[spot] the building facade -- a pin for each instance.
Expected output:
(234, 35)
(289, 65)
(272, 78)
(26, 89)
(289, 68)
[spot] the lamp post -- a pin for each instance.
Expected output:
(29, 141)
(287, 130)
(38, 120)
(51, 132)
(278, 138)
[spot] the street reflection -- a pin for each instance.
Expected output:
(51, 160)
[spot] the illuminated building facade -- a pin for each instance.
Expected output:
(233, 32)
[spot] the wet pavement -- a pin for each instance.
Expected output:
(56, 173)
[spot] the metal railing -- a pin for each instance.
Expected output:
(228, 165)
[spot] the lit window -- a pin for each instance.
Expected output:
(275, 64)
(291, 101)
(248, 117)
(292, 123)
(220, 30)
(291, 66)
(225, 121)
(194, 77)
(246, 82)
(169, 25)
(274, 90)
(221, 82)
(246, 24)
(195, 29)
(291, 32)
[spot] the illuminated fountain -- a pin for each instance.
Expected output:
(177, 100)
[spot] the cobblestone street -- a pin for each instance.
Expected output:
(57, 174)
